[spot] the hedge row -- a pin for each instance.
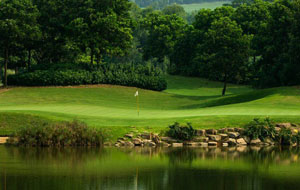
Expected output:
(81, 77)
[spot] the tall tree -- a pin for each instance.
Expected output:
(103, 27)
(17, 22)
(227, 49)
(164, 31)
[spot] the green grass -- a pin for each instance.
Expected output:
(207, 5)
(113, 108)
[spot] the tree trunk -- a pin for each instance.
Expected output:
(5, 67)
(254, 59)
(225, 85)
(92, 55)
(29, 59)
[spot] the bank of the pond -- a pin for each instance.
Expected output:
(255, 134)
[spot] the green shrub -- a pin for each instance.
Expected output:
(140, 76)
(286, 137)
(260, 129)
(181, 132)
(60, 134)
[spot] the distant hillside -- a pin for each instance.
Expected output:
(162, 3)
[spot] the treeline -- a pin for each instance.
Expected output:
(256, 43)
(160, 4)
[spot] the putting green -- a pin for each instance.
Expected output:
(186, 100)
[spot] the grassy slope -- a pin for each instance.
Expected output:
(186, 100)
(207, 5)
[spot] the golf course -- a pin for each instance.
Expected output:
(114, 108)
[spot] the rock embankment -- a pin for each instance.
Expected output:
(225, 137)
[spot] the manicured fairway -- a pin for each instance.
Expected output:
(113, 108)
(207, 5)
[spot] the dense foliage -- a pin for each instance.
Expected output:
(258, 129)
(139, 76)
(255, 43)
(179, 132)
(58, 135)
(159, 4)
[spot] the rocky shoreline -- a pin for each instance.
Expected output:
(226, 137)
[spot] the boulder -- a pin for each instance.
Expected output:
(200, 132)
(164, 144)
(284, 125)
(201, 139)
(117, 145)
(137, 142)
(233, 135)
(230, 130)
(168, 139)
(269, 141)
(203, 144)
(216, 138)
(147, 136)
(224, 137)
(231, 142)
(224, 130)
(129, 135)
(225, 144)
(212, 143)
(277, 129)
(193, 144)
(177, 144)
(129, 144)
(149, 144)
(255, 142)
(247, 139)
(241, 142)
(211, 131)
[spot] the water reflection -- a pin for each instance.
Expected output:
(150, 168)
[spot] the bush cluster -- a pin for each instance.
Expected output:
(58, 135)
(258, 129)
(181, 132)
(140, 76)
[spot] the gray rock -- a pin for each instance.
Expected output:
(147, 136)
(164, 144)
(137, 142)
(177, 144)
(129, 135)
(201, 139)
(203, 144)
(193, 144)
(149, 144)
(255, 142)
(284, 125)
(168, 139)
(241, 142)
(117, 145)
(216, 138)
(233, 135)
(231, 142)
(224, 137)
(269, 141)
(156, 139)
(211, 131)
(224, 130)
(129, 144)
(200, 132)
(230, 129)
(247, 139)
(225, 144)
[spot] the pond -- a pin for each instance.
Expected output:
(149, 168)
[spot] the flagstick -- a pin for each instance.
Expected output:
(137, 104)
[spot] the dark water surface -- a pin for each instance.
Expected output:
(244, 168)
